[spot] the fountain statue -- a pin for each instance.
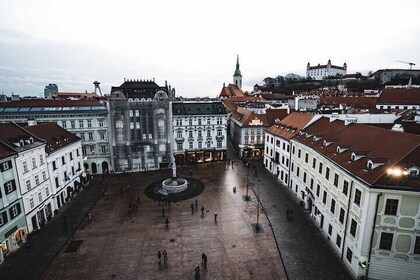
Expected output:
(174, 184)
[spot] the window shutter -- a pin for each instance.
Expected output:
(18, 208)
(4, 217)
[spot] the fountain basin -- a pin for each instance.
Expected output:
(174, 185)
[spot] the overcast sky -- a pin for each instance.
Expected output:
(193, 44)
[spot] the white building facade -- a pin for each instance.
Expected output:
(199, 131)
(13, 228)
(321, 72)
(370, 218)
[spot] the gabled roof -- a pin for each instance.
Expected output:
(231, 90)
(400, 96)
(288, 127)
(368, 142)
(55, 136)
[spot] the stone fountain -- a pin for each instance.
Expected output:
(174, 184)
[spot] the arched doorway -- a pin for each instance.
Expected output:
(94, 169)
(86, 166)
(105, 169)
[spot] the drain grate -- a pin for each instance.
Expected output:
(74, 246)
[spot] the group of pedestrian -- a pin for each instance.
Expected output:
(164, 255)
(197, 267)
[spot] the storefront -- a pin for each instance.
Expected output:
(14, 238)
(252, 152)
(193, 157)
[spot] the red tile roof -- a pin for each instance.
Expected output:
(373, 142)
(360, 102)
(49, 103)
(291, 125)
(400, 96)
(11, 133)
(231, 90)
(275, 114)
(5, 151)
(56, 136)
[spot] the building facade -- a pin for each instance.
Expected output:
(277, 143)
(88, 119)
(140, 125)
(199, 132)
(363, 196)
(32, 172)
(13, 228)
(64, 161)
(321, 72)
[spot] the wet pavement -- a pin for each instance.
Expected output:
(120, 245)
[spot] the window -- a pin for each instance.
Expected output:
(179, 146)
(190, 145)
(40, 197)
(209, 133)
(417, 245)
(208, 144)
(324, 197)
(64, 124)
(297, 171)
(338, 241)
(36, 180)
(293, 149)
(81, 123)
(101, 123)
(65, 176)
(299, 151)
(9, 186)
(89, 123)
(345, 187)
(190, 134)
(320, 168)
(219, 144)
(199, 121)
(342, 213)
(306, 157)
(77, 152)
(293, 166)
(391, 207)
(63, 160)
(3, 218)
(25, 166)
(72, 124)
(28, 185)
(349, 255)
(6, 166)
(14, 210)
(386, 241)
(353, 227)
(329, 229)
(54, 164)
(71, 155)
(336, 178)
(44, 176)
(304, 177)
(313, 163)
(57, 184)
(219, 132)
(47, 191)
(318, 189)
(90, 135)
(190, 122)
(82, 136)
(312, 184)
(332, 208)
(103, 149)
(84, 150)
(357, 197)
(41, 159)
(31, 202)
(179, 134)
(327, 173)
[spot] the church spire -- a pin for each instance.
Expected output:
(237, 77)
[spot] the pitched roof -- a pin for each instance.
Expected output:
(274, 115)
(231, 90)
(16, 137)
(360, 102)
(49, 103)
(290, 125)
(400, 96)
(198, 108)
(55, 136)
(5, 151)
(367, 141)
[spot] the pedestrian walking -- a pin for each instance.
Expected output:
(215, 217)
(192, 208)
(202, 210)
(196, 204)
(204, 259)
(159, 257)
(197, 272)
(165, 256)
(167, 223)
(89, 218)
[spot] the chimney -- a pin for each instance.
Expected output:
(32, 121)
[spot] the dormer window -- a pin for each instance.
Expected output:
(369, 165)
(327, 143)
(353, 157)
(341, 149)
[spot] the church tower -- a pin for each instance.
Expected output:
(237, 77)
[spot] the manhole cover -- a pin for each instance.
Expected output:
(74, 246)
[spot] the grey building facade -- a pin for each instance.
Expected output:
(140, 125)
